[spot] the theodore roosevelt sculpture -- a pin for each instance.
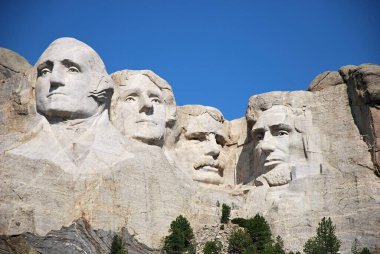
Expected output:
(197, 143)
(73, 92)
(143, 106)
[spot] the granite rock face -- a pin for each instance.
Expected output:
(119, 157)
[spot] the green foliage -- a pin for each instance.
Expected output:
(259, 230)
(117, 246)
(226, 211)
(239, 241)
(365, 251)
(355, 248)
(276, 247)
(251, 250)
(181, 237)
(212, 247)
(325, 241)
(239, 221)
(221, 227)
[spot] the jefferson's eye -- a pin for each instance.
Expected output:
(45, 71)
(199, 138)
(73, 69)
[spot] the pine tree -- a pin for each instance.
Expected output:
(239, 241)
(212, 247)
(181, 237)
(325, 242)
(117, 246)
(259, 230)
(354, 247)
(226, 211)
(365, 251)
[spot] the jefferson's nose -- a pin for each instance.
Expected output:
(213, 149)
(146, 105)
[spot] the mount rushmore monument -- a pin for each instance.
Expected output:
(86, 154)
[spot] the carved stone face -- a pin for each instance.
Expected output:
(199, 149)
(64, 82)
(274, 135)
(142, 109)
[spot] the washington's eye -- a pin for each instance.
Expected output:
(129, 99)
(156, 100)
(73, 69)
(45, 71)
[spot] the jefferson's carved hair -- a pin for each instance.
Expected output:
(168, 97)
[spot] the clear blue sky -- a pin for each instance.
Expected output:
(216, 53)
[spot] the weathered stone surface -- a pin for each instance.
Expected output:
(70, 180)
(11, 63)
(364, 90)
(79, 237)
(325, 79)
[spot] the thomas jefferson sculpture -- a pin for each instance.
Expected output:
(143, 106)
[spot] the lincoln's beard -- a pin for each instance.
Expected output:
(279, 175)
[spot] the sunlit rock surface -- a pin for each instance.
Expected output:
(118, 157)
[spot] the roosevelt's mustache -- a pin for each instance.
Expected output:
(219, 164)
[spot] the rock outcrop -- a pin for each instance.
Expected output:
(119, 157)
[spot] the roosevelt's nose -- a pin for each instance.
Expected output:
(213, 148)
(146, 105)
(267, 144)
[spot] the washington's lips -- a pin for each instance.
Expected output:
(146, 121)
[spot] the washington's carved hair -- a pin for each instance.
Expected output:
(104, 85)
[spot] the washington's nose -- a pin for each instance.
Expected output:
(146, 105)
(213, 149)
(56, 78)
(267, 144)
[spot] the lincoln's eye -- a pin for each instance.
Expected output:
(282, 133)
